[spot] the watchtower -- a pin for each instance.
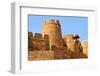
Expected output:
(52, 28)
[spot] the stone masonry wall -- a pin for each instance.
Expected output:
(51, 45)
(38, 42)
(85, 47)
(75, 46)
(40, 55)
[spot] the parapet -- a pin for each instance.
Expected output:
(69, 36)
(30, 34)
(52, 21)
(40, 36)
(37, 35)
(84, 41)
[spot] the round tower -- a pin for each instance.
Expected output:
(52, 28)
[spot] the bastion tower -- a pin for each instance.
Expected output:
(70, 41)
(52, 28)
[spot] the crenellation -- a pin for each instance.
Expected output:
(37, 35)
(30, 34)
(52, 21)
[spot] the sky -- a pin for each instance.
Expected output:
(69, 24)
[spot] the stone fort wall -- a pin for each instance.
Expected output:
(51, 45)
(38, 42)
(85, 46)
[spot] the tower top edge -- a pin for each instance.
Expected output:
(49, 21)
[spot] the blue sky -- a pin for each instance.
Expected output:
(69, 24)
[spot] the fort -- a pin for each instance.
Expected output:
(50, 44)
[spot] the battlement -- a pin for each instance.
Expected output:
(69, 36)
(52, 21)
(37, 35)
(40, 36)
(30, 34)
(38, 42)
(84, 41)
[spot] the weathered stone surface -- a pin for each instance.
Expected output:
(85, 47)
(40, 55)
(38, 35)
(69, 41)
(30, 43)
(38, 42)
(51, 45)
(78, 49)
(74, 46)
(30, 34)
(53, 30)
